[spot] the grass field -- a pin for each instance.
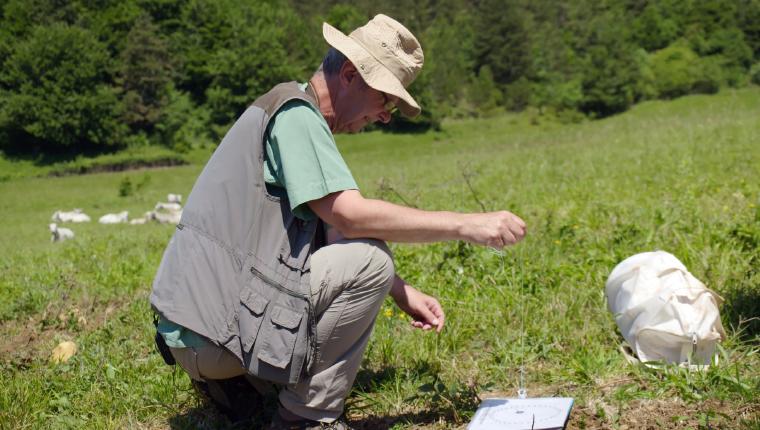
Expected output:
(681, 176)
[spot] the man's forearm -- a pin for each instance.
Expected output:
(357, 217)
(395, 223)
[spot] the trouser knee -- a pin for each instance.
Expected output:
(355, 264)
(380, 269)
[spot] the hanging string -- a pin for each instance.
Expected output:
(522, 392)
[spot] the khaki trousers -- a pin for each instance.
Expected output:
(349, 281)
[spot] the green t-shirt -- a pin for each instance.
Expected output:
(302, 161)
(302, 158)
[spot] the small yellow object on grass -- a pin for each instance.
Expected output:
(63, 352)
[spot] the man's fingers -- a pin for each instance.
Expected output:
(441, 319)
(518, 232)
(519, 221)
(508, 238)
(422, 325)
(437, 310)
(427, 316)
(426, 319)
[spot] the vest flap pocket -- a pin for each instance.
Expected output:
(254, 302)
(250, 316)
(280, 337)
(285, 318)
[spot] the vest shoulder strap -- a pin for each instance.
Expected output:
(272, 101)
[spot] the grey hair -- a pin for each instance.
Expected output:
(332, 62)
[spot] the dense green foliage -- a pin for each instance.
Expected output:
(677, 175)
(85, 76)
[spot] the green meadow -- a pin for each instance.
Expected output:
(681, 176)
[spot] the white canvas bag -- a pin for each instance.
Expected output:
(664, 312)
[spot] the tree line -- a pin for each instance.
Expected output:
(99, 75)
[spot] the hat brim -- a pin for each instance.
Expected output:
(374, 73)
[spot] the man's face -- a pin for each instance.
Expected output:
(357, 104)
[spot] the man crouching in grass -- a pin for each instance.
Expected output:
(279, 265)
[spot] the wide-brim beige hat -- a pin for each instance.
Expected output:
(385, 53)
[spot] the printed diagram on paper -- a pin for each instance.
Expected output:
(513, 414)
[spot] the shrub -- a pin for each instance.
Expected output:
(708, 76)
(484, 93)
(125, 187)
(183, 125)
(754, 74)
(677, 70)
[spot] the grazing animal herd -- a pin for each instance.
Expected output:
(168, 212)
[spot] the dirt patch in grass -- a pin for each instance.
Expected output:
(662, 414)
(25, 341)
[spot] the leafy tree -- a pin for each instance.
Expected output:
(749, 23)
(556, 68)
(345, 17)
(171, 70)
(55, 93)
(448, 47)
(713, 30)
(610, 70)
(111, 23)
(236, 51)
(656, 26)
(20, 16)
(145, 74)
(503, 42)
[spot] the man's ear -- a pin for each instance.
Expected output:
(348, 73)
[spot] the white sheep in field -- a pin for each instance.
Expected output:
(118, 218)
(74, 216)
(60, 234)
(147, 216)
(167, 218)
(168, 207)
(174, 198)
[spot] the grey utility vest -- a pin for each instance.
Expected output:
(237, 268)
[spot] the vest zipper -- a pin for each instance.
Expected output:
(271, 283)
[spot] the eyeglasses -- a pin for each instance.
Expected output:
(390, 104)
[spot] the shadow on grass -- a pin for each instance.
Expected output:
(45, 156)
(434, 401)
(742, 312)
(208, 417)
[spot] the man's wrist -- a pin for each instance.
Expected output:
(397, 290)
(459, 226)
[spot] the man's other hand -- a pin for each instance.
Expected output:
(425, 310)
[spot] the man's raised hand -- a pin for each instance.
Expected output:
(493, 229)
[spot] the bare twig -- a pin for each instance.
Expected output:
(466, 175)
(385, 187)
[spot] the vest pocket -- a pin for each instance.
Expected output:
(279, 337)
(250, 317)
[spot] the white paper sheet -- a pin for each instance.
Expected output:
(541, 413)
